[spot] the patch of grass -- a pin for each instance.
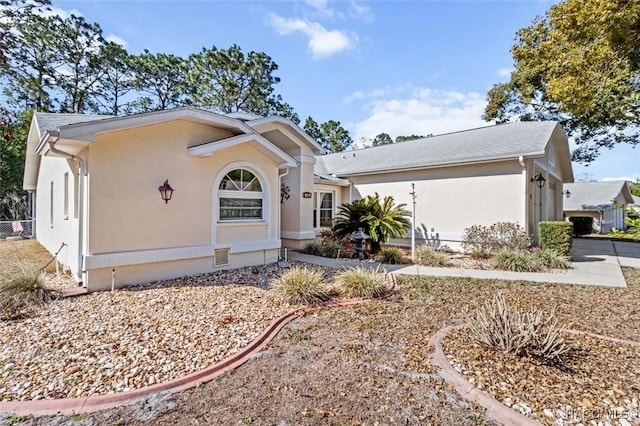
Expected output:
(302, 286)
(361, 282)
(552, 259)
(23, 290)
(517, 261)
(427, 256)
(391, 255)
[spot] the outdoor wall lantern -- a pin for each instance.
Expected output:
(566, 193)
(306, 194)
(539, 180)
(166, 191)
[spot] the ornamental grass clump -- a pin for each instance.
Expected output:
(361, 282)
(391, 255)
(23, 290)
(533, 334)
(427, 256)
(517, 261)
(302, 286)
(553, 259)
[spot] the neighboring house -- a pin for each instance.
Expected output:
(601, 201)
(245, 186)
(95, 182)
(636, 203)
(474, 177)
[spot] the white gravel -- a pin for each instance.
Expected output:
(117, 341)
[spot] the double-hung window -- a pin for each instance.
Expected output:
(323, 209)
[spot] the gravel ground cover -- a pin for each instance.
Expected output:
(369, 364)
(111, 342)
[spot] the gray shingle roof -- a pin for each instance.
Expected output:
(51, 121)
(486, 143)
(592, 195)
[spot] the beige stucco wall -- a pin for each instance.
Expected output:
(100, 278)
(453, 198)
(127, 214)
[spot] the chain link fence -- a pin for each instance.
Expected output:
(16, 228)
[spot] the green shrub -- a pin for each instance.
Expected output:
(557, 236)
(552, 259)
(517, 261)
(428, 256)
(362, 282)
(330, 249)
(391, 255)
(23, 290)
(533, 334)
(302, 285)
(483, 241)
(312, 248)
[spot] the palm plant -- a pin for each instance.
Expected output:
(380, 218)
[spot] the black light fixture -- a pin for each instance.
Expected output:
(539, 180)
(166, 191)
(566, 193)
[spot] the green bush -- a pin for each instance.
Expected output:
(23, 290)
(552, 259)
(556, 236)
(517, 261)
(330, 249)
(312, 248)
(302, 285)
(483, 241)
(428, 256)
(391, 255)
(362, 282)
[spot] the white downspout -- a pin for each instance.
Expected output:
(525, 210)
(286, 172)
(82, 171)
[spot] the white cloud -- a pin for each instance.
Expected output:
(629, 178)
(505, 72)
(322, 42)
(423, 111)
(360, 11)
(117, 40)
(64, 14)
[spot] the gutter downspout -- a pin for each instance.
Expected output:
(525, 210)
(286, 172)
(82, 171)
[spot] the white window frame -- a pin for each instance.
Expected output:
(264, 195)
(66, 196)
(318, 204)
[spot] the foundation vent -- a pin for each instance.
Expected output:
(220, 257)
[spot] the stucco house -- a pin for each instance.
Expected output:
(95, 188)
(240, 187)
(474, 177)
(600, 201)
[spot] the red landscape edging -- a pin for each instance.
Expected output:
(102, 402)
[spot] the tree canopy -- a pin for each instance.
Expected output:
(578, 64)
(330, 134)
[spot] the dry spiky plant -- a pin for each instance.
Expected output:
(23, 290)
(533, 334)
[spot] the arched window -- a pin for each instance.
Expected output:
(241, 196)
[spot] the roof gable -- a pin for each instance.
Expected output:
(595, 195)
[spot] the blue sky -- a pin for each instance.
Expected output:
(400, 67)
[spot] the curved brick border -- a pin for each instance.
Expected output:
(495, 409)
(101, 402)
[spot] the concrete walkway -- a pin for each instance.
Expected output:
(595, 262)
